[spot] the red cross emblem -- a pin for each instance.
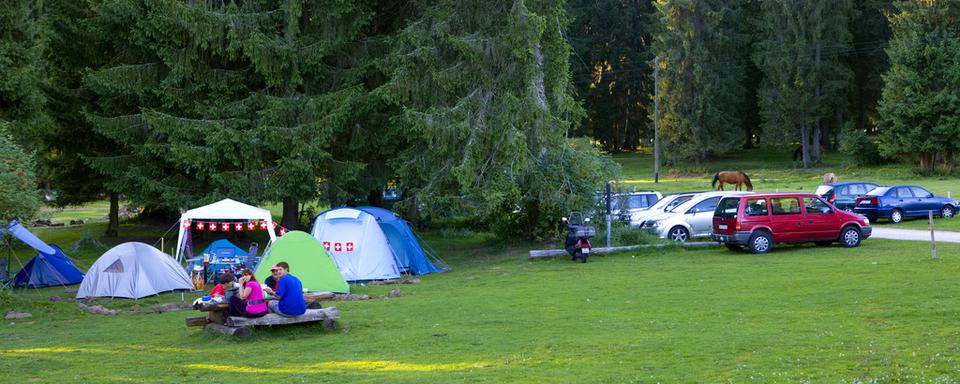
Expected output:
(350, 247)
(337, 247)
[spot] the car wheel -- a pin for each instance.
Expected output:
(678, 233)
(760, 242)
(947, 212)
(850, 237)
(896, 216)
(734, 247)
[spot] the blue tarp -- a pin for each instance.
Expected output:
(224, 249)
(50, 267)
(412, 257)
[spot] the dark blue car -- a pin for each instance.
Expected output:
(900, 201)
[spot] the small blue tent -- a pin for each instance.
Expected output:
(412, 257)
(224, 249)
(50, 267)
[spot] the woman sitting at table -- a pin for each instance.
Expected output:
(249, 301)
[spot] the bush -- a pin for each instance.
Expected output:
(860, 146)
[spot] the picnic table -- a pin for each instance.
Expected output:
(217, 319)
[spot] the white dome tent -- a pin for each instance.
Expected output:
(357, 244)
(225, 209)
(133, 270)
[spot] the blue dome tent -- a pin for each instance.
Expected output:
(50, 267)
(410, 255)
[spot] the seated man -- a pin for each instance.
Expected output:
(289, 293)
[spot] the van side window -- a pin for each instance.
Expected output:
(756, 207)
(785, 205)
(816, 207)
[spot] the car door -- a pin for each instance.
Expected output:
(700, 216)
(786, 218)
(904, 200)
(925, 200)
(820, 220)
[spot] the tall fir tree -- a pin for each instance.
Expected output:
(701, 82)
(239, 99)
(611, 42)
(487, 96)
(802, 52)
(919, 113)
(23, 37)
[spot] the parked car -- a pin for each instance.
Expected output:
(900, 201)
(758, 221)
(843, 195)
(666, 204)
(691, 219)
(625, 204)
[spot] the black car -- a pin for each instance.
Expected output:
(843, 195)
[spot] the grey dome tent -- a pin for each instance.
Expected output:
(133, 270)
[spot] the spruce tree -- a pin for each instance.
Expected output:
(701, 81)
(237, 99)
(919, 111)
(802, 52)
(487, 98)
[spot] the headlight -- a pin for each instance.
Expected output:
(866, 221)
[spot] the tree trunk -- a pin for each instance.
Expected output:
(113, 227)
(816, 143)
(375, 198)
(291, 215)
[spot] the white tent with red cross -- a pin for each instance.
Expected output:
(357, 244)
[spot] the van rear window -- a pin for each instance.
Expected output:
(727, 207)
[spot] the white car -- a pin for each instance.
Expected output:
(691, 219)
(665, 204)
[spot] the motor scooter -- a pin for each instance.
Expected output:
(577, 243)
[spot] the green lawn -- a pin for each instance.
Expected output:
(881, 312)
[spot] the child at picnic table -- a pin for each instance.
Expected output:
(248, 302)
(225, 283)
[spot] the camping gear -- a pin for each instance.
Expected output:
(357, 244)
(410, 256)
(133, 270)
(50, 267)
(225, 209)
(308, 261)
(222, 256)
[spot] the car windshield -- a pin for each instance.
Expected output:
(668, 203)
(679, 202)
(878, 191)
(823, 189)
(683, 207)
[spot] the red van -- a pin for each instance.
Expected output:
(758, 221)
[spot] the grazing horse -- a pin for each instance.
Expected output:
(737, 178)
(829, 178)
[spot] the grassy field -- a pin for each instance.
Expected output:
(883, 312)
(879, 313)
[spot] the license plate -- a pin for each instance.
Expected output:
(586, 251)
(722, 226)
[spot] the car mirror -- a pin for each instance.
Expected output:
(930, 195)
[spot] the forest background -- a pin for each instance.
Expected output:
(499, 114)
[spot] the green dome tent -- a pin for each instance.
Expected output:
(308, 261)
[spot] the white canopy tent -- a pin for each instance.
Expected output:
(225, 209)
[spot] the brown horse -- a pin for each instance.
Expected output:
(737, 178)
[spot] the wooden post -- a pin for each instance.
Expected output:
(933, 240)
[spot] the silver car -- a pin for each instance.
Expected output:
(691, 219)
(666, 204)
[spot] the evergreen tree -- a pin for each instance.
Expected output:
(919, 113)
(487, 97)
(19, 198)
(802, 54)
(23, 36)
(611, 54)
(701, 83)
(239, 99)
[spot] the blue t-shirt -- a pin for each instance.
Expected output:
(291, 296)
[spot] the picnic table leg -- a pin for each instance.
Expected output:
(217, 317)
(233, 331)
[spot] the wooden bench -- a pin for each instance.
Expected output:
(218, 321)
